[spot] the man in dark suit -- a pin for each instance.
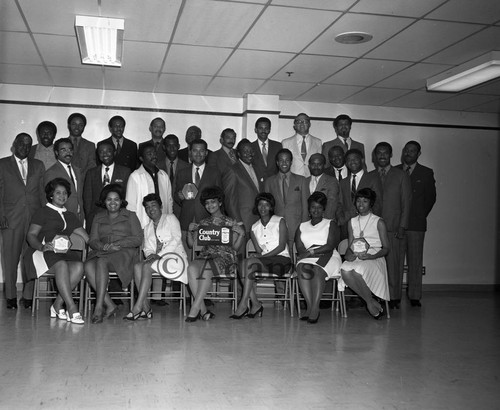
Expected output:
(44, 150)
(241, 185)
(83, 150)
(357, 180)
(100, 176)
(265, 149)
(21, 194)
(203, 176)
(172, 165)
(423, 186)
(226, 156)
(64, 168)
(125, 149)
(192, 133)
(157, 129)
(395, 212)
(336, 163)
(342, 125)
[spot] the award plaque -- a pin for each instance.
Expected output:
(215, 235)
(190, 191)
(359, 246)
(61, 243)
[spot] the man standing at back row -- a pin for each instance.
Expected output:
(265, 149)
(423, 199)
(342, 126)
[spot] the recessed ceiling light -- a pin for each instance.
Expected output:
(353, 37)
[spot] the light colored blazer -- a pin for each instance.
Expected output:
(141, 184)
(299, 165)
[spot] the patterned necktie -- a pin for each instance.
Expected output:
(171, 171)
(71, 175)
(23, 170)
(232, 156)
(106, 180)
(353, 187)
(303, 150)
(408, 170)
(264, 153)
(197, 177)
(284, 187)
(340, 175)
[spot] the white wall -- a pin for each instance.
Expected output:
(461, 242)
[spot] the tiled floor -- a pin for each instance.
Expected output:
(445, 355)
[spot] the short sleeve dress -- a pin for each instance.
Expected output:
(373, 271)
(222, 258)
(317, 235)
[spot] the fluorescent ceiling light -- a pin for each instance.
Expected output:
(100, 40)
(474, 72)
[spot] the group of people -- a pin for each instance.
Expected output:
(298, 194)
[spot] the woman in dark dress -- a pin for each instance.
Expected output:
(115, 237)
(49, 221)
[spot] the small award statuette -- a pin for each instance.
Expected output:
(61, 243)
(359, 246)
(190, 191)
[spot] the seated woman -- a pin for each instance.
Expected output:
(115, 237)
(317, 257)
(366, 272)
(222, 258)
(162, 236)
(269, 236)
(44, 256)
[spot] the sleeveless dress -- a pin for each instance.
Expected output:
(373, 271)
(318, 235)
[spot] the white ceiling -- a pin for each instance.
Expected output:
(231, 48)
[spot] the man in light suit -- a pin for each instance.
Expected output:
(241, 185)
(64, 168)
(423, 198)
(148, 179)
(157, 129)
(293, 204)
(263, 146)
(342, 125)
(21, 194)
(100, 176)
(302, 145)
(226, 156)
(125, 149)
(83, 149)
(172, 165)
(44, 150)
(396, 203)
(358, 179)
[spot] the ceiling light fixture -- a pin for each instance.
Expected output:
(353, 37)
(100, 40)
(474, 72)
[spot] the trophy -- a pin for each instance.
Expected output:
(190, 191)
(359, 246)
(61, 243)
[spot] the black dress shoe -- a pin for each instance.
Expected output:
(12, 303)
(415, 303)
(394, 304)
(27, 303)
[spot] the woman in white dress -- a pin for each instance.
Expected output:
(318, 259)
(365, 271)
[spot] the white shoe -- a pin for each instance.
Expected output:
(61, 314)
(76, 318)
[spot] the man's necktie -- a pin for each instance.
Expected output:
(303, 150)
(106, 180)
(408, 170)
(314, 184)
(353, 187)
(382, 175)
(197, 177)
(71, 175)
(284, 187)
(118, 147)
(232, 156)
(346, 145)
(171, 175)
(340, 175)
(23, 170)
(264, 153)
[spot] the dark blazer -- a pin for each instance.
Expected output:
(295, 209)
(330, 187)
(396, 198)
(338, 142)
(221, 160)
(192, 209)
(272, 149)
(128, 154)
(84, 156)
(75, 200)
(165, 166)
(423, 186)
(93, 186)
(160, 153)
(240, 192)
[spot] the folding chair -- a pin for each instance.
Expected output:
(267, 280)
(169, 293)
(49, 291)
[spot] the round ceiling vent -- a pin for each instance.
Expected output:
(353, 37)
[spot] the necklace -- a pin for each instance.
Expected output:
(361, 233)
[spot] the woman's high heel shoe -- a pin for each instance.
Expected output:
(75, 318)
(258, 312)
(207, 315)
(132, 317)
(147, 315)
(235, 316)
(191, 319)
(61, 314)
(312, 321)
